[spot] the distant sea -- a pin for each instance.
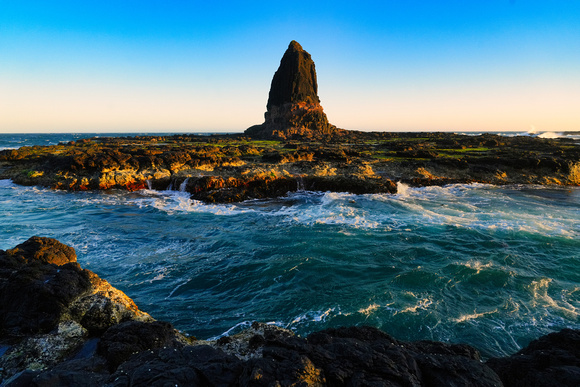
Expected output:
(494, 267)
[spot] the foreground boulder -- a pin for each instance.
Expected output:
(61, 325)
(269, 356)
(51, 308)
(552, 360)
(42, 286)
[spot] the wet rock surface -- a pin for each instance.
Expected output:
(233, 168)
(63, 350)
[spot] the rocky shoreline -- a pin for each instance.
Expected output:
(61, 325)
(233, 168)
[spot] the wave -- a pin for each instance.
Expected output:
(468, 206)
(7, 183)
(542, 211)
(313, 316)
(473, 316)
(173, 202)
(550, 135)
(541, 298)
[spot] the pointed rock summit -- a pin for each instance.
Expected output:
(295, 80)
(293, 109)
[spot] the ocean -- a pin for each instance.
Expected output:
(493, 267)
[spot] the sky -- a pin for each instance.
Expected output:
(201, 66)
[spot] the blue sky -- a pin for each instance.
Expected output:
(207, 66)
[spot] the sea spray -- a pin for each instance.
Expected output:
(183, 185)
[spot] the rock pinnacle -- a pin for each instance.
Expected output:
(293, 109)
(295, 80)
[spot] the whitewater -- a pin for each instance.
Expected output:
(493, 267)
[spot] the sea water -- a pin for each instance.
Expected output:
(493, 267)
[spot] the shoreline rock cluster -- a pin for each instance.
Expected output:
(63, 325)
(233, 168)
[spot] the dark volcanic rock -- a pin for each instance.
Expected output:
(34, 292)
(365, 355)
(41, 285)
(91, 372)
(552, 360)
(45, 250)
(49, 305)
(295, 79)
(120, 341)
(199, 365)
(338, 357)
(293, 109)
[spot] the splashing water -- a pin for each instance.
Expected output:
(494, 267)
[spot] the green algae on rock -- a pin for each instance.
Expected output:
(233, 168)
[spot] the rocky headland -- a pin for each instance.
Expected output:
(296, 148)
(61, 325)
(232, 168)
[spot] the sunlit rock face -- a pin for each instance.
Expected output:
(293, 109)
(295, 79)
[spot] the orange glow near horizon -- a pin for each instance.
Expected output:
(84, 106)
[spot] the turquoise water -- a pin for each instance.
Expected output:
(494, 267)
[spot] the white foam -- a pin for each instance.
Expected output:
(422, 304)
(480, 206)
(330, 208)
(240, 327)
(550, 135)
(7, 183)
(477, 265)
(313, 316)
(173, 202)
(236, 328)
(161, 274)
(369, 309)
(542, 298)
(472, 316)
(402, 190)
(473, 206)
(183, 185)
(179, 285)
